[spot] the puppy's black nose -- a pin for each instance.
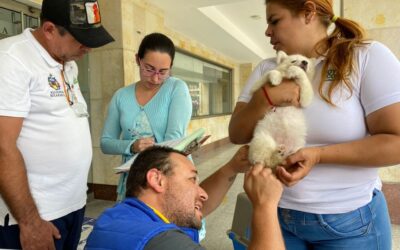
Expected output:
(305, 63)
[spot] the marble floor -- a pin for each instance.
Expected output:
(220, 221)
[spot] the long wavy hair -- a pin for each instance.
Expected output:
(341, 43)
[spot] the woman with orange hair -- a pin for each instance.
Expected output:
(332, 198)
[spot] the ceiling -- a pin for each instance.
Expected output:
(235, 28)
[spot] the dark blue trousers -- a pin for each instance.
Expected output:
(70, 227)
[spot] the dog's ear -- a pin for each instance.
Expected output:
(280, 55)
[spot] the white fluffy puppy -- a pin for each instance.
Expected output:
(283, 130)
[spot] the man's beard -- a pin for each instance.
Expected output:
(177, 214)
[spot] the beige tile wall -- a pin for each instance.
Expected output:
(382, 22)
(245, 71)
(389, 36)
(373, 14)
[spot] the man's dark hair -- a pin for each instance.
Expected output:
(157, 42)
(155, 157)
(61, 30)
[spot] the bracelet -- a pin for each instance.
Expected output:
(268, 99)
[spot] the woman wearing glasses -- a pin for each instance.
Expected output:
(157, 108)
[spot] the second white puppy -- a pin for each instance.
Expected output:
(282, 131)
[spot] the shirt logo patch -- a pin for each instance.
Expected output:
(331, 75)
(56, 90)
(53, 82)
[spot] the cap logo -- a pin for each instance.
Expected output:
(93, 13)
(83, 13)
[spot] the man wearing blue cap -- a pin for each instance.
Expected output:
(45, 143)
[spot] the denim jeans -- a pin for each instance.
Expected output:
(69, 226)
(365, 228)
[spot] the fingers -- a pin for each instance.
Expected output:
(300, 172)
(261, 186)
(286, 94)
(255, 170)
(244, 150)
(295, 158)
(298, 165)
(39, 235)
(240, 161)
(250, 174)
(147, 139)
(290, 178)
(143, 143)
(56, 233)
(292, 159)
(284, 176)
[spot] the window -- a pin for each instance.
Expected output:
(210, 85)
(31, 22)
(10, 23)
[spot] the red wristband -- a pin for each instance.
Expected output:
(268, 99)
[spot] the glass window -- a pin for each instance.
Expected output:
(31, 22)
(210, 85)
(10, 23)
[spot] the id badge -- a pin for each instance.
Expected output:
(80, 109)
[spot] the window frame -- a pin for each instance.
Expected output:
(230, 94)
(21, 20)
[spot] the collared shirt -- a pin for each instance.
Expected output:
(54, 142)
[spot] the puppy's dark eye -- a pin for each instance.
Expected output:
(294, 61)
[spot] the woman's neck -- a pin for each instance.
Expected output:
(144, 94)
(318, 47)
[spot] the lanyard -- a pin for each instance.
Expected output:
(79, 109)
(69, 94)
(162, 217)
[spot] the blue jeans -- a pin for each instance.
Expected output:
(365, 228)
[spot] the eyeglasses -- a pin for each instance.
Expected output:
(149, 71)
